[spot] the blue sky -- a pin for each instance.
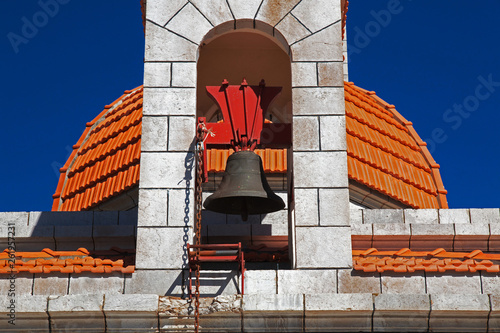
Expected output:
(437, 61)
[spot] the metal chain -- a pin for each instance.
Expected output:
(198, 200)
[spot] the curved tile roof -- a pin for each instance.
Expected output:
(384, 153)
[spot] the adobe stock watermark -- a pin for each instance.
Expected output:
(381, 19)
(455, 115)
(31, 26)
(11, 292)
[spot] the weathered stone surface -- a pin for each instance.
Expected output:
(190, 24)
(21, 285)
(330, 74)
(355, 282)
(51, 284)
(333, 133)
(269, 230)
(216, 11)
(184, 74)
(428, 237)
(326, 12)
(334, 207)
(131, 312)
(161, 11)
(324, 45)
(180, 208)
(273, 11)
(154, 133)
(276, 218)
(307, 281)
(161, 248)
(131, 303)
(447, 216)
(394, 283)
(220, 282)
(181, 133)
(28, 313)
(244, 9)
(261, 282)
(470, 237)
(330, 169)
(41, 219)
(485, 216)
(391, 236)
(306, 207)
(361, 229)
(421, 216)
(14, 218)
(307, 138)
(335, 251)
(163, 45)
(157, 74)
(453, 283)
(383, 216)
(166, 170)
(110, 283)
(292, 30)
(401, 313)
(273, 302)
(490, 283)
(356, 216)
(459, 312)
(169, 102)
(318, 101)
(159, 282)
(152, 208)
(70, 312)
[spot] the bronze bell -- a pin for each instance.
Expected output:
(244, 189)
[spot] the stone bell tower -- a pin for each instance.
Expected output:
(293, 44)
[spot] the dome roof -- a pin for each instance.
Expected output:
(385, 155)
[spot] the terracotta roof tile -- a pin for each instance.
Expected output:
(384, 153)
(48, 261)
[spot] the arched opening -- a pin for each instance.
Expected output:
(254, 56)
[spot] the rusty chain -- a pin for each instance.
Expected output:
(198, 201)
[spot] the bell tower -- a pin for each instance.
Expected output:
(293, 45)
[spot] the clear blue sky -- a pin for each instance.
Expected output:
(426, 57)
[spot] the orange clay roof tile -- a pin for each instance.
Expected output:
(384, 153)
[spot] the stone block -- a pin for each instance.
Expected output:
(306, 137)
(154, 133)
(490, 283)
(453, 283)
(216, 11)
(157, 74)
(159, 282)
(169, 102)
(421, 216)
(71, 238)
(51, 284)
(330, 74)
(263, 282)
(333, 133)
(184, 74)
(111, 283)
(323, 247)
(401, 313)
(304, 74)
(41, 219)
(161, 11)
(128, 217)
(180, 208)
(494, 240)
(391, 236)
(32, 238)
(166, 170)
(14, 218)
(307, 281)
(394, 283)
(22, 284)
(470, 237)
(428, 237)
(448, 216)
(334, 207)
(190, 24)
(163, 45)
(181, 133)
(459, 313)
(152, 208)
(485, 216)
(292, 30)
(108, 236)
(221, 282)
(30, 313)
(159, 248)
(356, 282)
(318, 101)
(383, 216)
(306, 207)
(273, 302)
(272, 11)
(362, 229)
(324, 45)
(330, 169)
(338, 312)
(356, 216)
(277, 218)
(494, 317)
(244, 9)
(319, 18)
(244, 24)
(71, 312)
(107, 217)
(131, 312)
